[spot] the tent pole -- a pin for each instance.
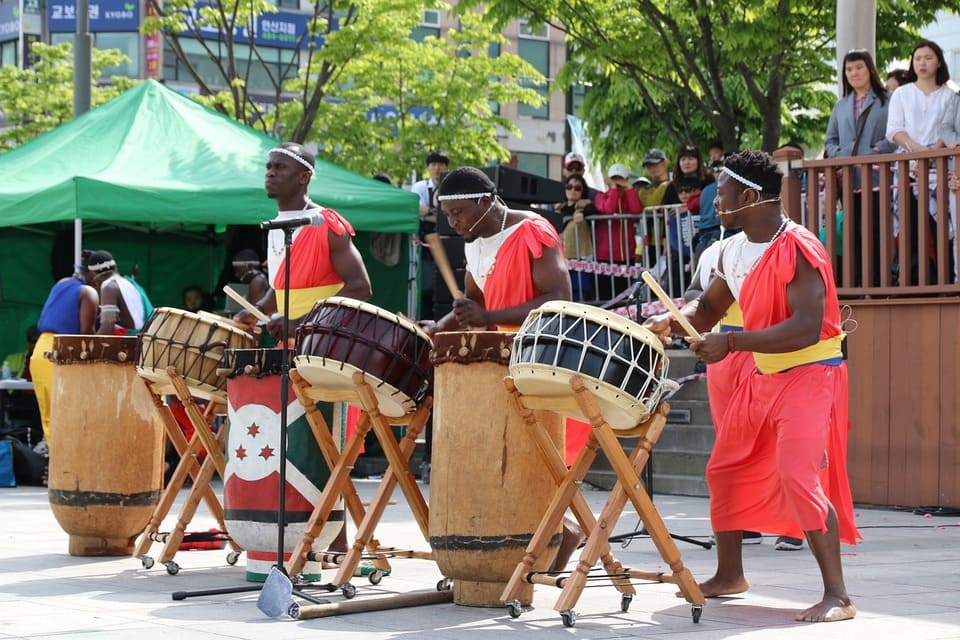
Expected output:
(77, 245)
(82, 79)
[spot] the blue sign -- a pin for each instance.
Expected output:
(105, 15)
(390, 112)
(9, 21)
(282, 29)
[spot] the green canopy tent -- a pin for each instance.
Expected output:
(154, 177)
(153, 155)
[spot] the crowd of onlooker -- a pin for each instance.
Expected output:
(915, 109)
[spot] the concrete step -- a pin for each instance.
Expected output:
(686, 437)
(690, 390)
(682, 362)
(680, 462)
(684, 412)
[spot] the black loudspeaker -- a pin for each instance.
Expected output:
(453, 246)
(524, 188)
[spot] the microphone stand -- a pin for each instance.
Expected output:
(646, 476)
(278, 583)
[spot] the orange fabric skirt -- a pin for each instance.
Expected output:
(724, 377)
(780, 457)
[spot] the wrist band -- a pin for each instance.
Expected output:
(730, 347)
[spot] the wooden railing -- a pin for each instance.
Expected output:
(898, 239)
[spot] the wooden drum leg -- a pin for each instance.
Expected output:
(338, 484)
(202, 483)
(628, 485)
(331, 454)
(365, 529)
(568, 493)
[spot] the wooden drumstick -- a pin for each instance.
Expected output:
(668, 303)
(246, 304)
(443, 264)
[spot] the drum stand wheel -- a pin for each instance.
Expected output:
(568, 496)
(340, 484)
(200, 473)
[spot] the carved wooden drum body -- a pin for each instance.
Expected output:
(106, 468)
(487, 488)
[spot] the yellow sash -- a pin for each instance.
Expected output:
(302, 300)
(824, 350)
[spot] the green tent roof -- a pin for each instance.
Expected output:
(152, 155)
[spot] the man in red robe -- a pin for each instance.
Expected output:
(779, 462)
(323, 259)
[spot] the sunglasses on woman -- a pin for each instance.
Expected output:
(574, 187)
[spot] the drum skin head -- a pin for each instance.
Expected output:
(622, 364)
(342, 336)
(334, 375)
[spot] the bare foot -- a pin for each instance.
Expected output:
(716, 587)
(830, 609)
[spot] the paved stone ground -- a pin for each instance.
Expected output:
(905, 578)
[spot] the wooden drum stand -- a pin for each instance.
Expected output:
(340, 483)
(567, 495)
(201, 474)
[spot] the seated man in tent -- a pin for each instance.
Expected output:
(123, 305)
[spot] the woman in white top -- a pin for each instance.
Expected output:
(916, 108)
(913, 120)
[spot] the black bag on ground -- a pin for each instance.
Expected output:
(29, 466)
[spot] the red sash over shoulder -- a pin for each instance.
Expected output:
(310, 264)
(763, 297)
(511, 282)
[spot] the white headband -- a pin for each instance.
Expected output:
(463, 196)
(287, 152)
(103, 266)
(739, 178)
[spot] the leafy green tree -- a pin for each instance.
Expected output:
(38, 99)
(371, 96)
(751, 73)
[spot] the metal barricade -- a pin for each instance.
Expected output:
(659, 240)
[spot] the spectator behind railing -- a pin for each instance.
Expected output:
(615, 241)
(858, 126)
(896, 78)
(680, 236)
(916, 112)
(689, 165)
(577, 235)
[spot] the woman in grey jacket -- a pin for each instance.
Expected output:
(858, 126)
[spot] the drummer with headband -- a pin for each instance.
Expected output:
(323, 259)
(779, 461)
(515, 264)
(514, 258)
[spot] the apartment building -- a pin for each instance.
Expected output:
(115, 24)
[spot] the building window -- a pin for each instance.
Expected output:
(8, 52)
(127, 43)
(429, 26)
(533, 45)
(577, 94)
(276, 62)
(493, 51)
(535, 163)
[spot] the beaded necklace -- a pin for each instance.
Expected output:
(280, 250)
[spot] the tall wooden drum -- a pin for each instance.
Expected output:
(251, 485)
(106, 467)
(487, 488)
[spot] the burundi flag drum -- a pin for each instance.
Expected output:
(251, 487)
